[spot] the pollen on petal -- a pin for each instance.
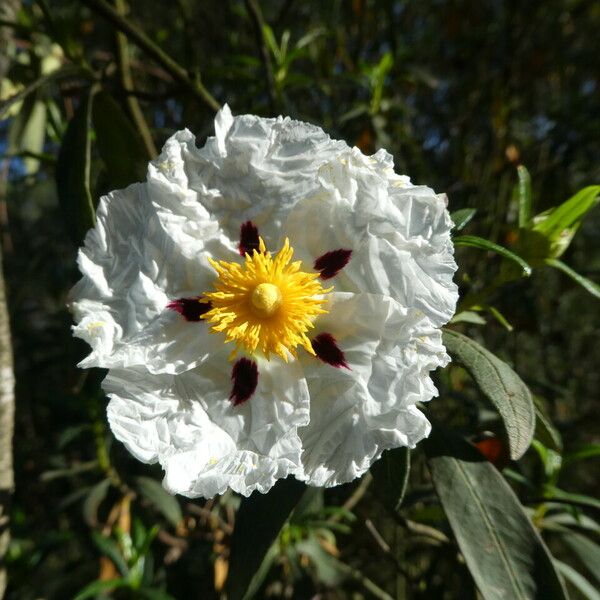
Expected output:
(328, 351)
(249, 240)
(191, 309)
(331, 263)
(245, 379)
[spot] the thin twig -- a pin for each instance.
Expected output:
(354, 498)
(385, 547)
(143, 42)
(369, 585)
(258, 21)
(424, 530)
(126, 77)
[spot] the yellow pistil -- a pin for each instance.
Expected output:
(267, 304)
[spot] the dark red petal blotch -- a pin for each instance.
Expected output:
(331, 263)
(245, 379)
(191, 309)
(248, 238)
(328, 351)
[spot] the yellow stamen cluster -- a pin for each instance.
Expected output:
(266, 304)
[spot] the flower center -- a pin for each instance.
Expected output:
(266, 299)
(266, 305)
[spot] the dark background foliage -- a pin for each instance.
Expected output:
(461, 92)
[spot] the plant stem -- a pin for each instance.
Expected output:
(133, 104)
(143, 42)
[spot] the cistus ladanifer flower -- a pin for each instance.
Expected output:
(267, 305)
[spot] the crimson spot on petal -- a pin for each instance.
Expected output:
(327, 350)
(245, 379)
(248, 238)
(331, 263)
(191, 309)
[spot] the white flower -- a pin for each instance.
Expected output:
(235, 371)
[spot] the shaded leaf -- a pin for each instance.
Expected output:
(390, 477)
(545, 431)
(584, 282)
(474, 241)
(577, 580)
(468, 316)
(462, 217)
(96, 587)
(154, 492)
(587, 551)
(258, 522)
(73, 173)
(504, 388)
(93, 501)
(109, 548)
(119, 144)
(502, 549)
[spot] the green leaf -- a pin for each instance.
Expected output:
(109, 548)
(258, 522)
(462, 217)
(577, 580)
(96, 587)
(554, 493)
(586, 551)
(584, 282)
(587, 451)
(504, 388)
(390, 477)
(545, 431)
(474, 241)
(560, 224)
(93, 501)
(73, 173)
(524, 195)
(468, 316)
(154, 492)
(502, 549)
(119, 144)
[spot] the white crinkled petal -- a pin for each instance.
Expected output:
(357, 413)
(150, 245)
(205, 443)
(399, 235)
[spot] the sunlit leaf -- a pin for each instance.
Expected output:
(390, 474)
(474, 241)
(504, 388)
(584, 282)
(560, 224)
(462, 217)
(258, 522)
(502, 549)
(524, 195)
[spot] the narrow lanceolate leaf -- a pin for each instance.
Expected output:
(578, 581)
(558, 221)
(474, 241)
(258, 523)
(390, 476)
(73, 173)
(584, 282)
(119, 144)
(587, 551)
(462, 217)
(502, 549)
(524, 195)
(161, 499)
(504, 388)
